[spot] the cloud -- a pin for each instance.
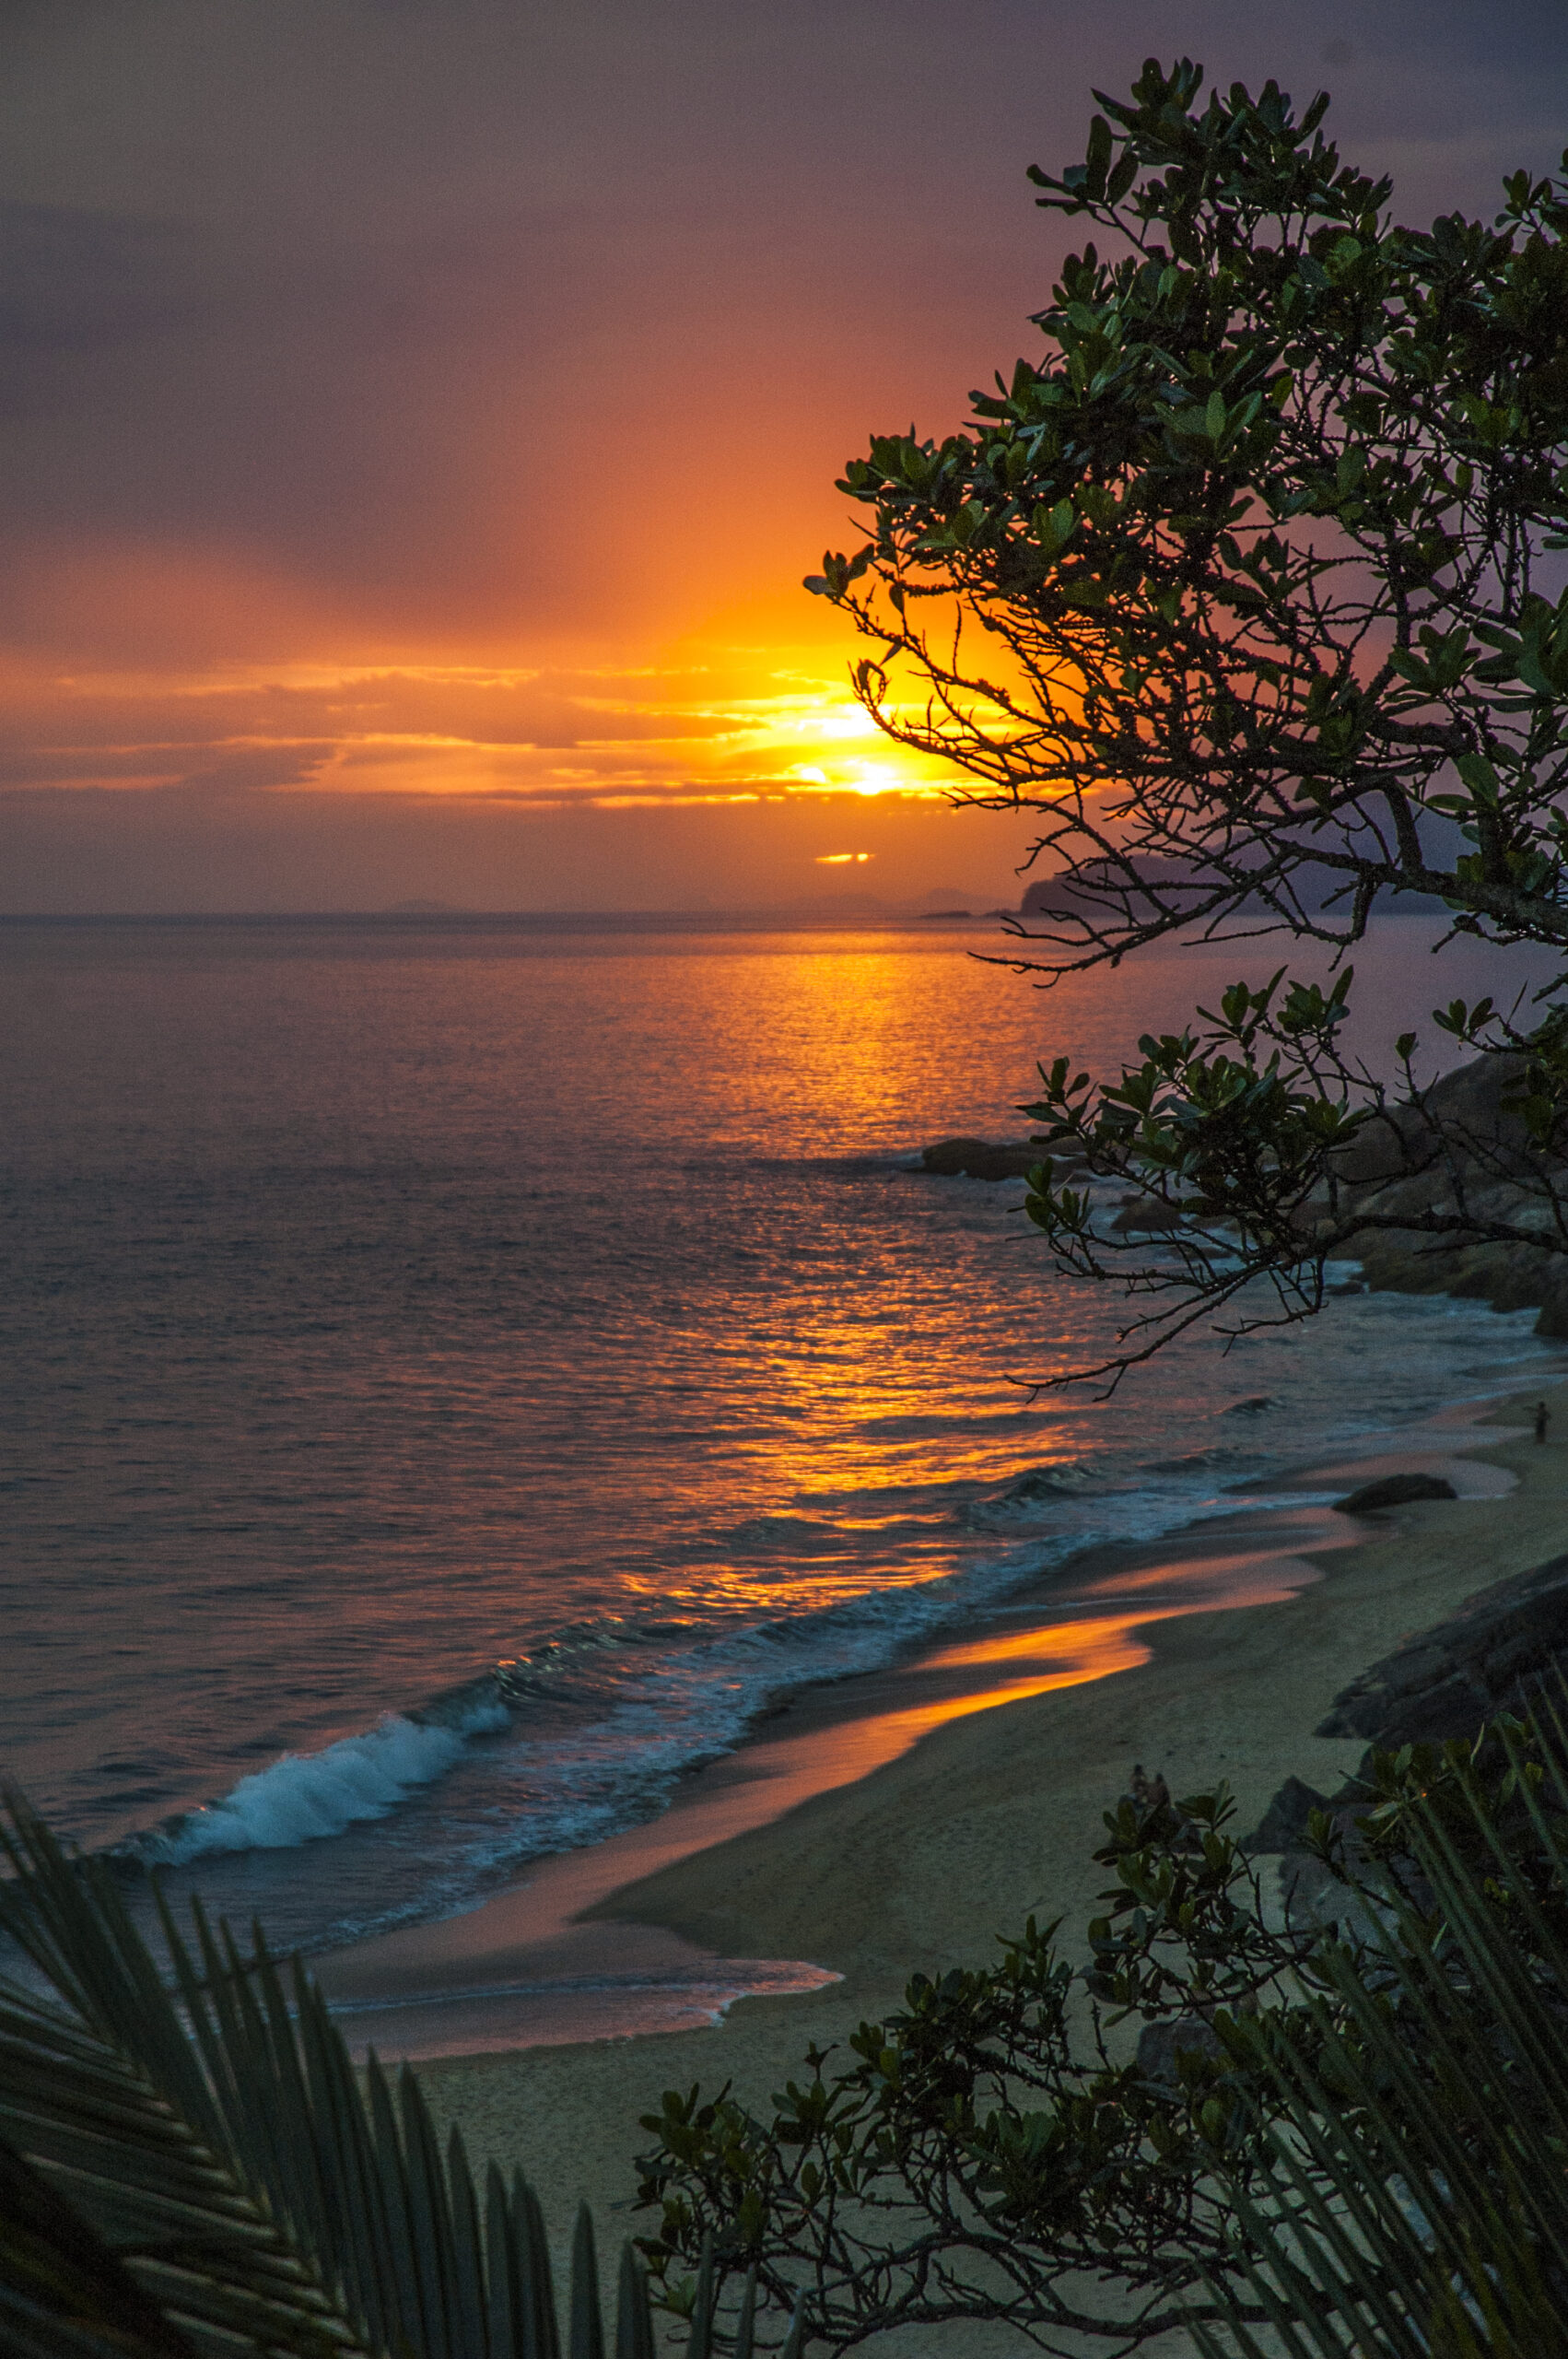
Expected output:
(735, 725)
(223, 846)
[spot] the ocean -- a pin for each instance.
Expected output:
(456, 1372)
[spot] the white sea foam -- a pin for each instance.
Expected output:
(304, 1795)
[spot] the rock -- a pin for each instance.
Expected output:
(982, 1159)
(1553, 1319)
(1146, 1217)
(1454, 1706)
(1254, 1406)
(1509, 1277)
(1284, 1822)
(1469, 1104)
(1395, 1491)
(1398, 1167)
(1160, 2046)
(1488, 1658)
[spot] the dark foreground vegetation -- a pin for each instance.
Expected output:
(189, 2164)
(1343, 2120)
(1337, 2126)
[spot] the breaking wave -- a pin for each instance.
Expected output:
(303, 1796)
(661, 1697)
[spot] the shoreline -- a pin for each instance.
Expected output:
(552, 1958)
(992, 1815)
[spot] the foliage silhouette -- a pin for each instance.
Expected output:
(1245, 588)
(194, 2170)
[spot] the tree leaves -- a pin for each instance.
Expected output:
(1258, 541)
(1348, 2131)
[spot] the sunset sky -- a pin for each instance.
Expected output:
(418, 414)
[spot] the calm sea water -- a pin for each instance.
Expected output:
(454, 1374)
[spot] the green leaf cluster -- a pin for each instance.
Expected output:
(1135, 514)
(1355, 2144)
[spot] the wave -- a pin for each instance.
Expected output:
(597, 1721)
(1020, 1501)
(663, 1694)
(1195, 1462)
(303, 1796)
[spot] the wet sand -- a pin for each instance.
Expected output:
(903, 1822)
(550, 1959)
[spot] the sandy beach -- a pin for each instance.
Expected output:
(889, 1855)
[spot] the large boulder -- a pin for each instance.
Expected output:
(982, 1159)
(1146, 1217)
(1285, 1820)
(1395, 1491)
(1397, 1168)
(1163, 2044)
(1469, 1104)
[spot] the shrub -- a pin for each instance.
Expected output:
(1346, 2126)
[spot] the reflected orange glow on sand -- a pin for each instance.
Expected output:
(548, 1927)
(1067, 1654)
(535, 1926)
(1223, 1579)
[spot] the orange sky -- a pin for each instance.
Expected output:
(417, 421)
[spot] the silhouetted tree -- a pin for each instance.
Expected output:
(1241, 588)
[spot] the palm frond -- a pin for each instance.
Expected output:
(1418, 2203)
(64, 2295)
(205, 2127)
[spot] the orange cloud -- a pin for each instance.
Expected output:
(719, 725)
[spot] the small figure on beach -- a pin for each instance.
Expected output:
(1159, 1792)
(1139, 1788)
(1543, 1418)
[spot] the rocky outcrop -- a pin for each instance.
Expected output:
(1491, 1150)
(1399, 1164)
(1488, 1658)
(1162, 2046)
(1509, 1277)
(1284, 1822)
(1146, 1217)
(1471, 1105)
